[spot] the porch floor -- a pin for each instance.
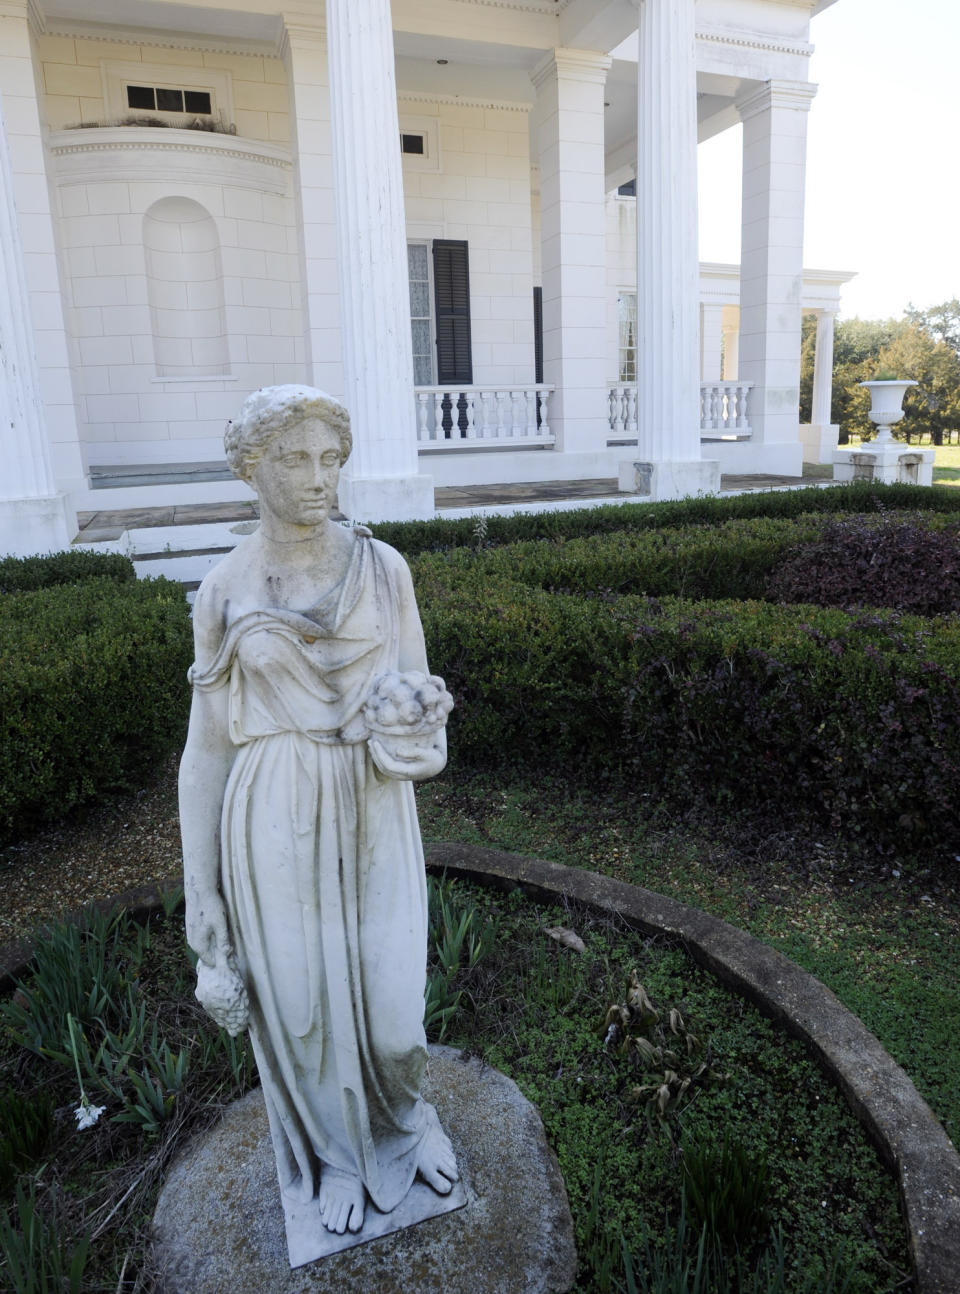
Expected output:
(451, 500)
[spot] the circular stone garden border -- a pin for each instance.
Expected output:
(908, 1135)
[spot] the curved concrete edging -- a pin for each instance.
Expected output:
(907, 1133)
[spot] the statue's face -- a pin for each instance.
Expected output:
(296, 479)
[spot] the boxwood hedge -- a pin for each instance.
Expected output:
(19, 574)
(92, 692)
(846, 719)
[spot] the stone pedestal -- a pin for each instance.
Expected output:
(889, 464)
(819, 441)
(219, 1224)
(669, 480)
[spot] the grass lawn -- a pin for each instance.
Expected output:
(880, 933)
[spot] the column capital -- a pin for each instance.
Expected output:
(574, 65)
(302, 27)
(778, 94)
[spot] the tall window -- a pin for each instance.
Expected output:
(627, 341)
(451, 278)
(421, 324)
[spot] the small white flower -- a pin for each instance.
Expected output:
(87, 1114)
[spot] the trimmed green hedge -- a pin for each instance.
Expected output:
(21, 574)
(93, 692)
(859, 560)
(412, 537)
(849, 720)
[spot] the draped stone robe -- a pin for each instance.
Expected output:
(323, 880)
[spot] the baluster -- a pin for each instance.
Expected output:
(703, 408)
(516, 413)
(614, 405)
(422, 432)
(485, 412)
(502, 397)
(630, 422)
(438, 415)
(544, 419)
(530, 400)
(470, 397)
(743, 421)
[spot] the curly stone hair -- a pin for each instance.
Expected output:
(274, 409)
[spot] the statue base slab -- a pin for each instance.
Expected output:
(308, 1241)
(219, 1225)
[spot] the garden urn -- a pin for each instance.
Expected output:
(886, 405)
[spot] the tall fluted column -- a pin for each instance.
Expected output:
(33, 516)
(382, 480)
(771, 265)
(823, 369)
(305, 57)
(668, 300)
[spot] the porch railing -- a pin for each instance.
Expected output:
(723, 410)
(474, 417)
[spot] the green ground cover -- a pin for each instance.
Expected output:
(108, 1012)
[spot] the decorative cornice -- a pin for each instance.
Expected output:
(103, 139)
(756, 40)
(780, 94)
(549, 7)
(150, 38)
(461, 101)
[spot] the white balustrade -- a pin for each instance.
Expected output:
(723, 411)
(470, 417)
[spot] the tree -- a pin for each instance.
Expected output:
(933, 407)
(941, 322)
(925, 346)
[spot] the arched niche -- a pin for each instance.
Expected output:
(185, 290)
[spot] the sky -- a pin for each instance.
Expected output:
(883, 157)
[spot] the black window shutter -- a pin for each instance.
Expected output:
(538, 335)
(451, 281)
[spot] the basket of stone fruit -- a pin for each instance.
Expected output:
(406, 711)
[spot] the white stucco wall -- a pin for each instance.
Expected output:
(480, 191)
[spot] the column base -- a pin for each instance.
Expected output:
(670, 480)
(36, 525)
(387, 498)
(819, 440)
(890, 464)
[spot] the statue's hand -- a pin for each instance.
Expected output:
(413, 762)
(206, 922)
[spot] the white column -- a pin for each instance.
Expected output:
(382, 480)
(568, 123)
(823, 369)
(27, 180)
(305, 57)
(668, 274)
(33, 516)
(731, 343)
(771, 264)
(711, 341)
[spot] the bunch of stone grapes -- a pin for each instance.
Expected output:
(408, 702)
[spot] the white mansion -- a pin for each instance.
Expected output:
(475, 221)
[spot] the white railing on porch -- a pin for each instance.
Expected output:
(495, 417)
(723, 410)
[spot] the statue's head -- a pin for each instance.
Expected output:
(272, 410)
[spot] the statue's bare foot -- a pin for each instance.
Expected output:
(436, 1162)
(341, 1199)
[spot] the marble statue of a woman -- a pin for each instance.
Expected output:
(303, 865)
